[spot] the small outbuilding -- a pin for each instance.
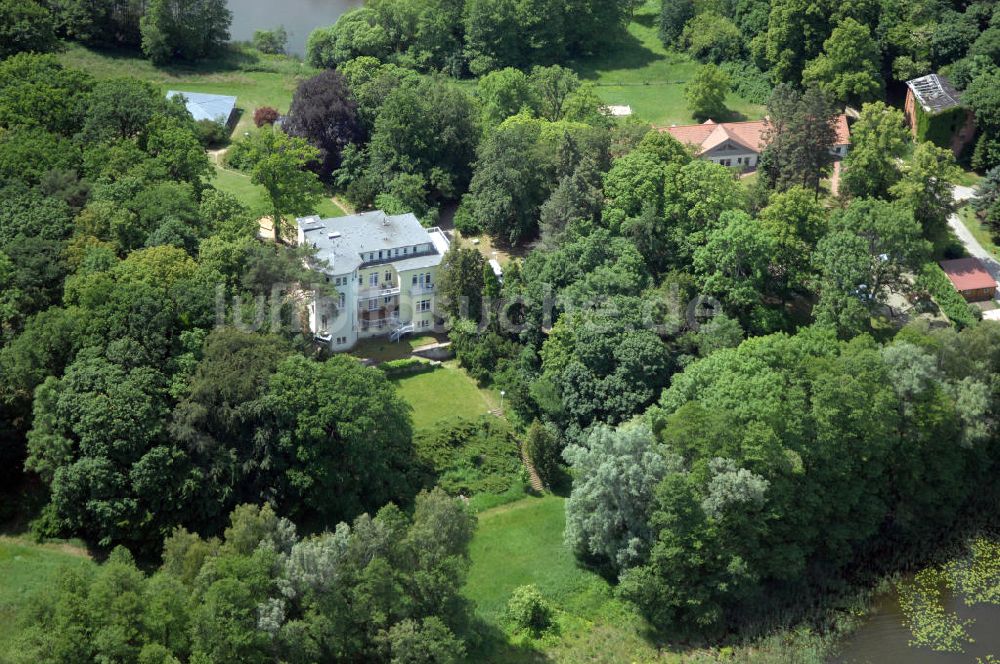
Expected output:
(970, 278)
(203, 106)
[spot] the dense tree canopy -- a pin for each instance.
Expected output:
(324, 113)
(384, 588)
(184, 29)
(771, 464)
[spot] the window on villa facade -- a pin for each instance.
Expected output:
(424, 305)
(373, 279)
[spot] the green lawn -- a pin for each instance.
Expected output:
(253, 196)
(239, 185)
(26, 567)
(968, 217)
(640, 72)
(271, 84)
(522, 543)
(442, 394)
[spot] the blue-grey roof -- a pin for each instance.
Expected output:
(934, 93)
(204, 106)
(345, 243)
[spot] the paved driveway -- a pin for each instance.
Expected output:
(963, 194)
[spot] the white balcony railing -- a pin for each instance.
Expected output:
(421, 289)
(371, 293)
(387, 323)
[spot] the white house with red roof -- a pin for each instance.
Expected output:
(739, 144)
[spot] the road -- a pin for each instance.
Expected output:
(963, 194)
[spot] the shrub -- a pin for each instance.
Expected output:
(405, 367)
(238, 156)
(748, 81)
(271, 41)
(465, 221)
(211, 133)
(544, 449)
(936, 282)
(265, 115)
(528, 610)
(471, 457)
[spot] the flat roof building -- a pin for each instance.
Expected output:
(203, 106)
(383, 268)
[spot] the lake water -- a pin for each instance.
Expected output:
(883, 639)
(300, 17)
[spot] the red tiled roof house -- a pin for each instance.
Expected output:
(739, 144)
(970, 278)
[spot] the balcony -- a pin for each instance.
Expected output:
(422, 289)
(386, 323)
(371, 293)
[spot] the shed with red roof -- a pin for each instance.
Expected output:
(970, 278)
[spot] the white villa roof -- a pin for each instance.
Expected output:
(204, 106)
(341, 241)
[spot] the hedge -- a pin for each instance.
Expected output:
(936, 282)
(405, 367)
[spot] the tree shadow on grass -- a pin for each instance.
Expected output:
(645, 19)
(487, 644)
(627, 53)
(731, 116)
(229, 59)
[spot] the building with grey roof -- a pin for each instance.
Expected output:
(935, 112)
(383, 268)
(202, 106)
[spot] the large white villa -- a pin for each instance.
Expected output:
(383, 267)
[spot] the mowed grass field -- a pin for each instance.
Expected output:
(25, 568)
(254, 197)
(522, 543)
(272, 85)
(443, 394)
(641, 72)
(978, 230)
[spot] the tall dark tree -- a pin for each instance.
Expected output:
(801, 133)
(325, 113)
(460, 283)
(674, 15)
